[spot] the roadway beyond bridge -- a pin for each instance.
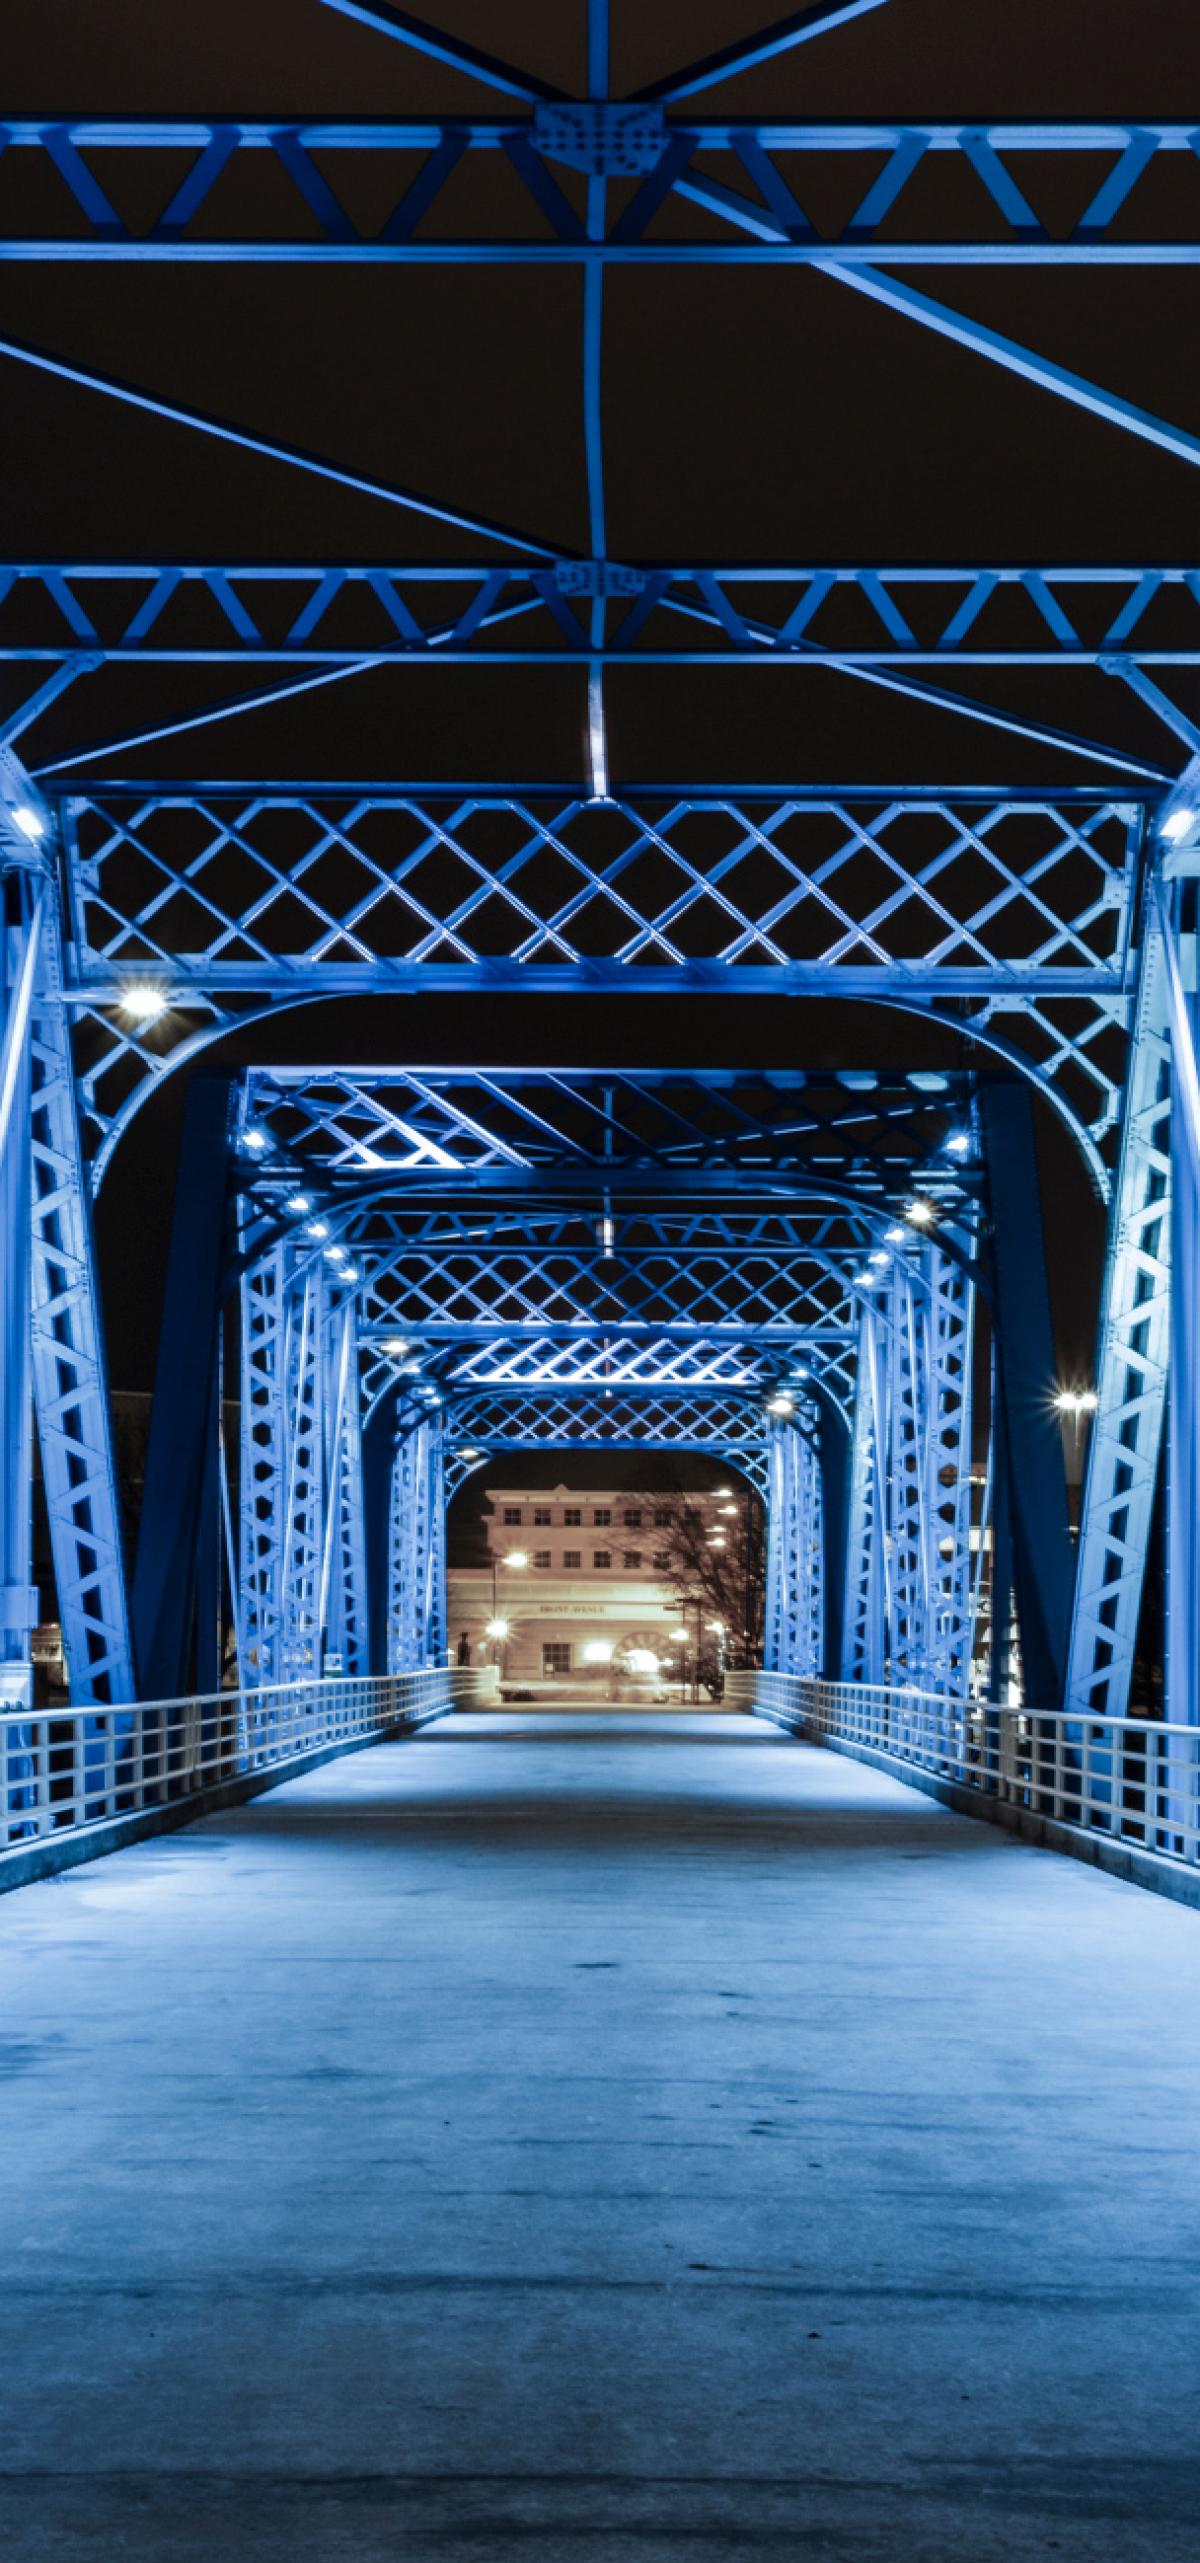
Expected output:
(598, 2139)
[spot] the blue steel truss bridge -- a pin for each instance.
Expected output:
(575, 701)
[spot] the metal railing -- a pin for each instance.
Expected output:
(63, 1769)
(1135, 1781)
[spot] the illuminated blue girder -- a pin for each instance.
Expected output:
(730, 1426)
(21, 903)
(328, 615)
(69, 1371)
(909, 1601)
(899, 898)
(756, 212)
(1132, 1362)
(416, 1620)
(793, 1610)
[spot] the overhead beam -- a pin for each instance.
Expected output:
(760, 217)
(1009, 353)
(274, 449)
(799, 27)
(384, 19)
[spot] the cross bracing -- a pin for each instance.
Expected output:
(237, 795)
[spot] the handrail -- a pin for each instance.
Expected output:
(1130, 1780)
(65, 1769)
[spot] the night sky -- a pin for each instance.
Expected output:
(766, 415)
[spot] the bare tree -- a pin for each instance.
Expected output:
(715, 1560)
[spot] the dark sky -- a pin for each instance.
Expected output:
(770, 415)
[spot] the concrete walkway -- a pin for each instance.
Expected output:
(617, 2141)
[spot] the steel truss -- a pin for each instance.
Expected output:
(909, 1610)
(303, 1551)
(794, 1604)
(748, 176)
(185, 613)
(416, 1614)
(1009, 917)
(731, 1427)
(509, 1263)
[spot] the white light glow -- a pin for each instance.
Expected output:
(496, 1628)
(316, 1228)
(143, 1002)
(1175, 826)
(516, 1557)
(29, 821)
(919, 1214)
(642, 1659)
(597, 1651)
(255, 1141)
(893, 1236)
(394, 1344)
(782, 1405)
(959, 1143)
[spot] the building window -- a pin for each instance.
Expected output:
(511, 1515)
(572, 1557)
(601, 1557)
(662, 1518)
(556, 1655)
(542, 1517)
(601, 1517)
(542, 1557)
(632, 1557)
(661, 1561)
(633, 1518)
(572, 1516)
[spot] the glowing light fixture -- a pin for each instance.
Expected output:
(516, 1557)
(394, 1344)
(598, 1651)
(255, 1140)
(893, 1236)
(29, 821)
(1176, 825)
(298, 1204)
(142, 1001)
(781, 1404)
(958, 1144)
(496, 1628)
(920, 1214)
(316, 1228)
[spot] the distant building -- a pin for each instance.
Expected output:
(594, 1585)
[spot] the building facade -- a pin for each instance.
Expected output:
(580, 1584)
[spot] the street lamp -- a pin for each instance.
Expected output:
(1075, 1402)
(497, 1628)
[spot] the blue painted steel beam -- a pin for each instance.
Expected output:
(1014, 358)
(799, 27)
(759, 219)
(1098, 615)
(274, 449)
(382, 17)
(1033, 1450)
(184, 1414)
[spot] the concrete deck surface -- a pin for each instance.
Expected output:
(616, 2141)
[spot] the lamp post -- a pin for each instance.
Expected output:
(497, 1627)
(1076, 1403)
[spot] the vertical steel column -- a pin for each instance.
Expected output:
(948, 1326)
(69, 1373)
(1131, 1371)
(902, 1474)
(20, 922)
(1030, 1471)
(344, 1615)
(794, 1616)
(304, 1509)
(774, 1610)
(263, 1465)
(416, 1550)
(1179, 913)
(867, 1579)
